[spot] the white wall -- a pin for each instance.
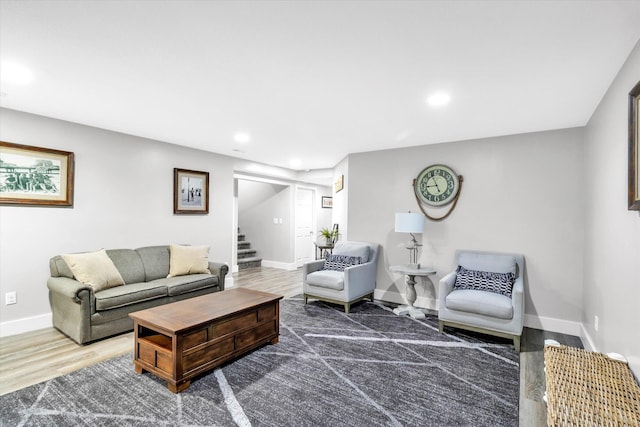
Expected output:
(340, 210)
(612, 249)
(521, 193)
(259, 203)
(123, 199)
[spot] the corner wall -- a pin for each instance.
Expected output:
(521, 193)
(612, 244)
(123, 199)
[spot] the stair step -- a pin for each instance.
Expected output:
(244, 245)
(241, 237)
(250, 262)
(246, 253)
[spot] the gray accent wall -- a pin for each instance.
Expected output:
(612, 232)
(521, 193)
(123, 199)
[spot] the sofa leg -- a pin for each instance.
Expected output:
(516, 343)
(440, 326)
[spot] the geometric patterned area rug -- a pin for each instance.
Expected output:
(366, 368)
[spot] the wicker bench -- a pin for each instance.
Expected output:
(589, 389)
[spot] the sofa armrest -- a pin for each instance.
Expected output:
(70, 288)
(72, 304)
(517, 299)
(360, 279)
(219, 269)
(445, 287)
(310, 267)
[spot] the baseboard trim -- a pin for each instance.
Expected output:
(587, 341)
(28, 324)
(553, 325)
(289, 266)
(398, 298)
(228, 281)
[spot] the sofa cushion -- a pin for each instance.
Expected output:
(480, 302)
(128, 263)
(352, 249)
(129, 294)
(185, 284)
(488, 262)
(330, 279)
(340, 262)
(500, 283)
(94, 269)
(188, 260)
(155, 260)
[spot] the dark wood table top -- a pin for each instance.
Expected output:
(178, 316)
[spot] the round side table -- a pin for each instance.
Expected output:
(411, 273)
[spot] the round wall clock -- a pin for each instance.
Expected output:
(437, 185)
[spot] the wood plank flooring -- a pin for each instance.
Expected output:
(37, 356)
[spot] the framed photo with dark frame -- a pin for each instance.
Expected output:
(327, 202)
(190, 192)
(634, 150)
(35, 176)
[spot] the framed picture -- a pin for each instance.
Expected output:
(35, 176)
(327, 202)
(339, 184)
(190, 192)
(634, 150)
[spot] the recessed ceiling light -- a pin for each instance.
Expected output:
(16, 74)
(295, 163)
(242, 137)
(438, 99)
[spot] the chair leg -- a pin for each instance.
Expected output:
(516, 343)
(440, 326)
(347, 306)
(371, 297)
(305, 298)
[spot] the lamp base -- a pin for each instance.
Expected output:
(411, 265)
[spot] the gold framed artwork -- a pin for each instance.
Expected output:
(190, 192)
(339, 184)
(634, 150)
(35, 176)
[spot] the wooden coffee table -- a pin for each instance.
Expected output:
(181, 340)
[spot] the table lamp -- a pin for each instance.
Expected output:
(411, 223)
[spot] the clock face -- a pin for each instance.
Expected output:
(437, 185)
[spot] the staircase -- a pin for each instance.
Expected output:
(246, 256)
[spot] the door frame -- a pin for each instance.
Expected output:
(314, 220)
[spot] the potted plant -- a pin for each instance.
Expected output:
(328, 235)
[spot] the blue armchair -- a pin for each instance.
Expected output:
(346, 287)
(475, 308)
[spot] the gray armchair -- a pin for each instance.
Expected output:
(480, 310)
(346, 287)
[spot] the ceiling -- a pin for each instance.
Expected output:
(315, 80)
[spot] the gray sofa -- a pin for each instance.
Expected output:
(85, 315)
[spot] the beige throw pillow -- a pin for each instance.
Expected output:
(94, 269)
(188, 260)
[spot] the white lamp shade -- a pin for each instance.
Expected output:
(407, 222)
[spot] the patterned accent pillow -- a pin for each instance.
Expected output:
(500, 283)
(340, 262)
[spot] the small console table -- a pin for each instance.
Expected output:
(411, 273)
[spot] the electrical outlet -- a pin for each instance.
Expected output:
(596, 323)
(10, 298)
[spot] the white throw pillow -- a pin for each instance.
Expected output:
(188, 260)
(94, 269)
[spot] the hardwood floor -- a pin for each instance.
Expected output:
(37, 356)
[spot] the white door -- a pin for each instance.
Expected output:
(304, 225)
